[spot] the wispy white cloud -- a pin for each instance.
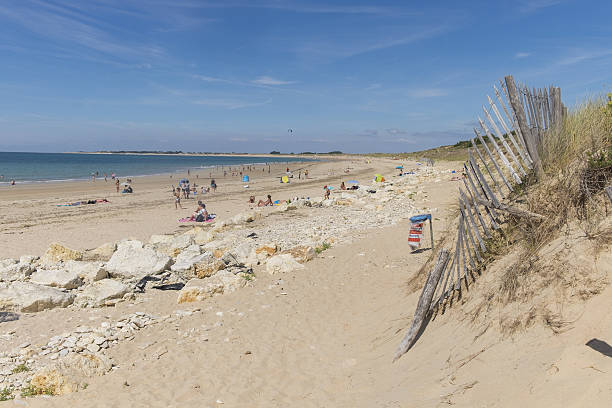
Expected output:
(68, 25)
(584, 55)
(266, 80)
(522, 54)
(238, 139)
(428, 93)
(532, 6)
(229, 103)
(329, 48)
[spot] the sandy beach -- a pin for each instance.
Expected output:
(30, 219)
(318, 332)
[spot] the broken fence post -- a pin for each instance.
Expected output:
(422, 309)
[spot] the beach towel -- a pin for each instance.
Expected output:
(415, 235)
(211, 218)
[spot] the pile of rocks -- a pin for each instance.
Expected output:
(18, 367)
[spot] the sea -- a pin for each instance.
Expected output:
(53, 167)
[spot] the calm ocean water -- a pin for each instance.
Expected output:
(30, 167)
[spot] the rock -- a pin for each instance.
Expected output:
(30, 297)
(87, 271)
(92, 347)
(97, 294)
(208, 267)
(11, 270)
(301, 253)
(132, 261)
(181, 241)
(160, 239)
(282, 263)
(71, 374)
(264, 252)
(244, 254)
(202, 236)
(242, 218)
(59, 253)
(188, 258)
(58, 278)
(101, 254)
(200, 289)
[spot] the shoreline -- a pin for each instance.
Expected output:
(31, 215)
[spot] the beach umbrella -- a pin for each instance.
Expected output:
(353, 182)
(399, 167)
(184, 181)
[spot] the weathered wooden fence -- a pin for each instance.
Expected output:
(514, 125)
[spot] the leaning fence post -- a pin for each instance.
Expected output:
(517, 107)
(422, 309)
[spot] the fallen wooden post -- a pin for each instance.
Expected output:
(422, 309)
(511, 210)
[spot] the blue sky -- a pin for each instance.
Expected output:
(356, 76)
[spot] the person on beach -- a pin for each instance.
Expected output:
(262, 203)
(306, 173)
(213, 185)
(200, 214)
(117, 184)
(177, 199)
(327, 192)
(251, 199)
(12, 182)
(342, 186)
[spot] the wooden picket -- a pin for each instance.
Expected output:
(529, 117)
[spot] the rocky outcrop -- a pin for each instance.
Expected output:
(201, 289)
(58, 278)
(100, 293)
(282, 263)
(133, 261)
(30, 297)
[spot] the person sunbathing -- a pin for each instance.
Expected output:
(200, 215)
(262, 203)
(251, 199)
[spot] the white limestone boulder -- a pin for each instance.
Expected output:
(87, 271)
(200, 289)
(98, 293)
(101, 254)
(59, 253)
(12, 270)
(282, 263)
(59, 278)
(133, 261)
(29, 297)
(190, 256)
